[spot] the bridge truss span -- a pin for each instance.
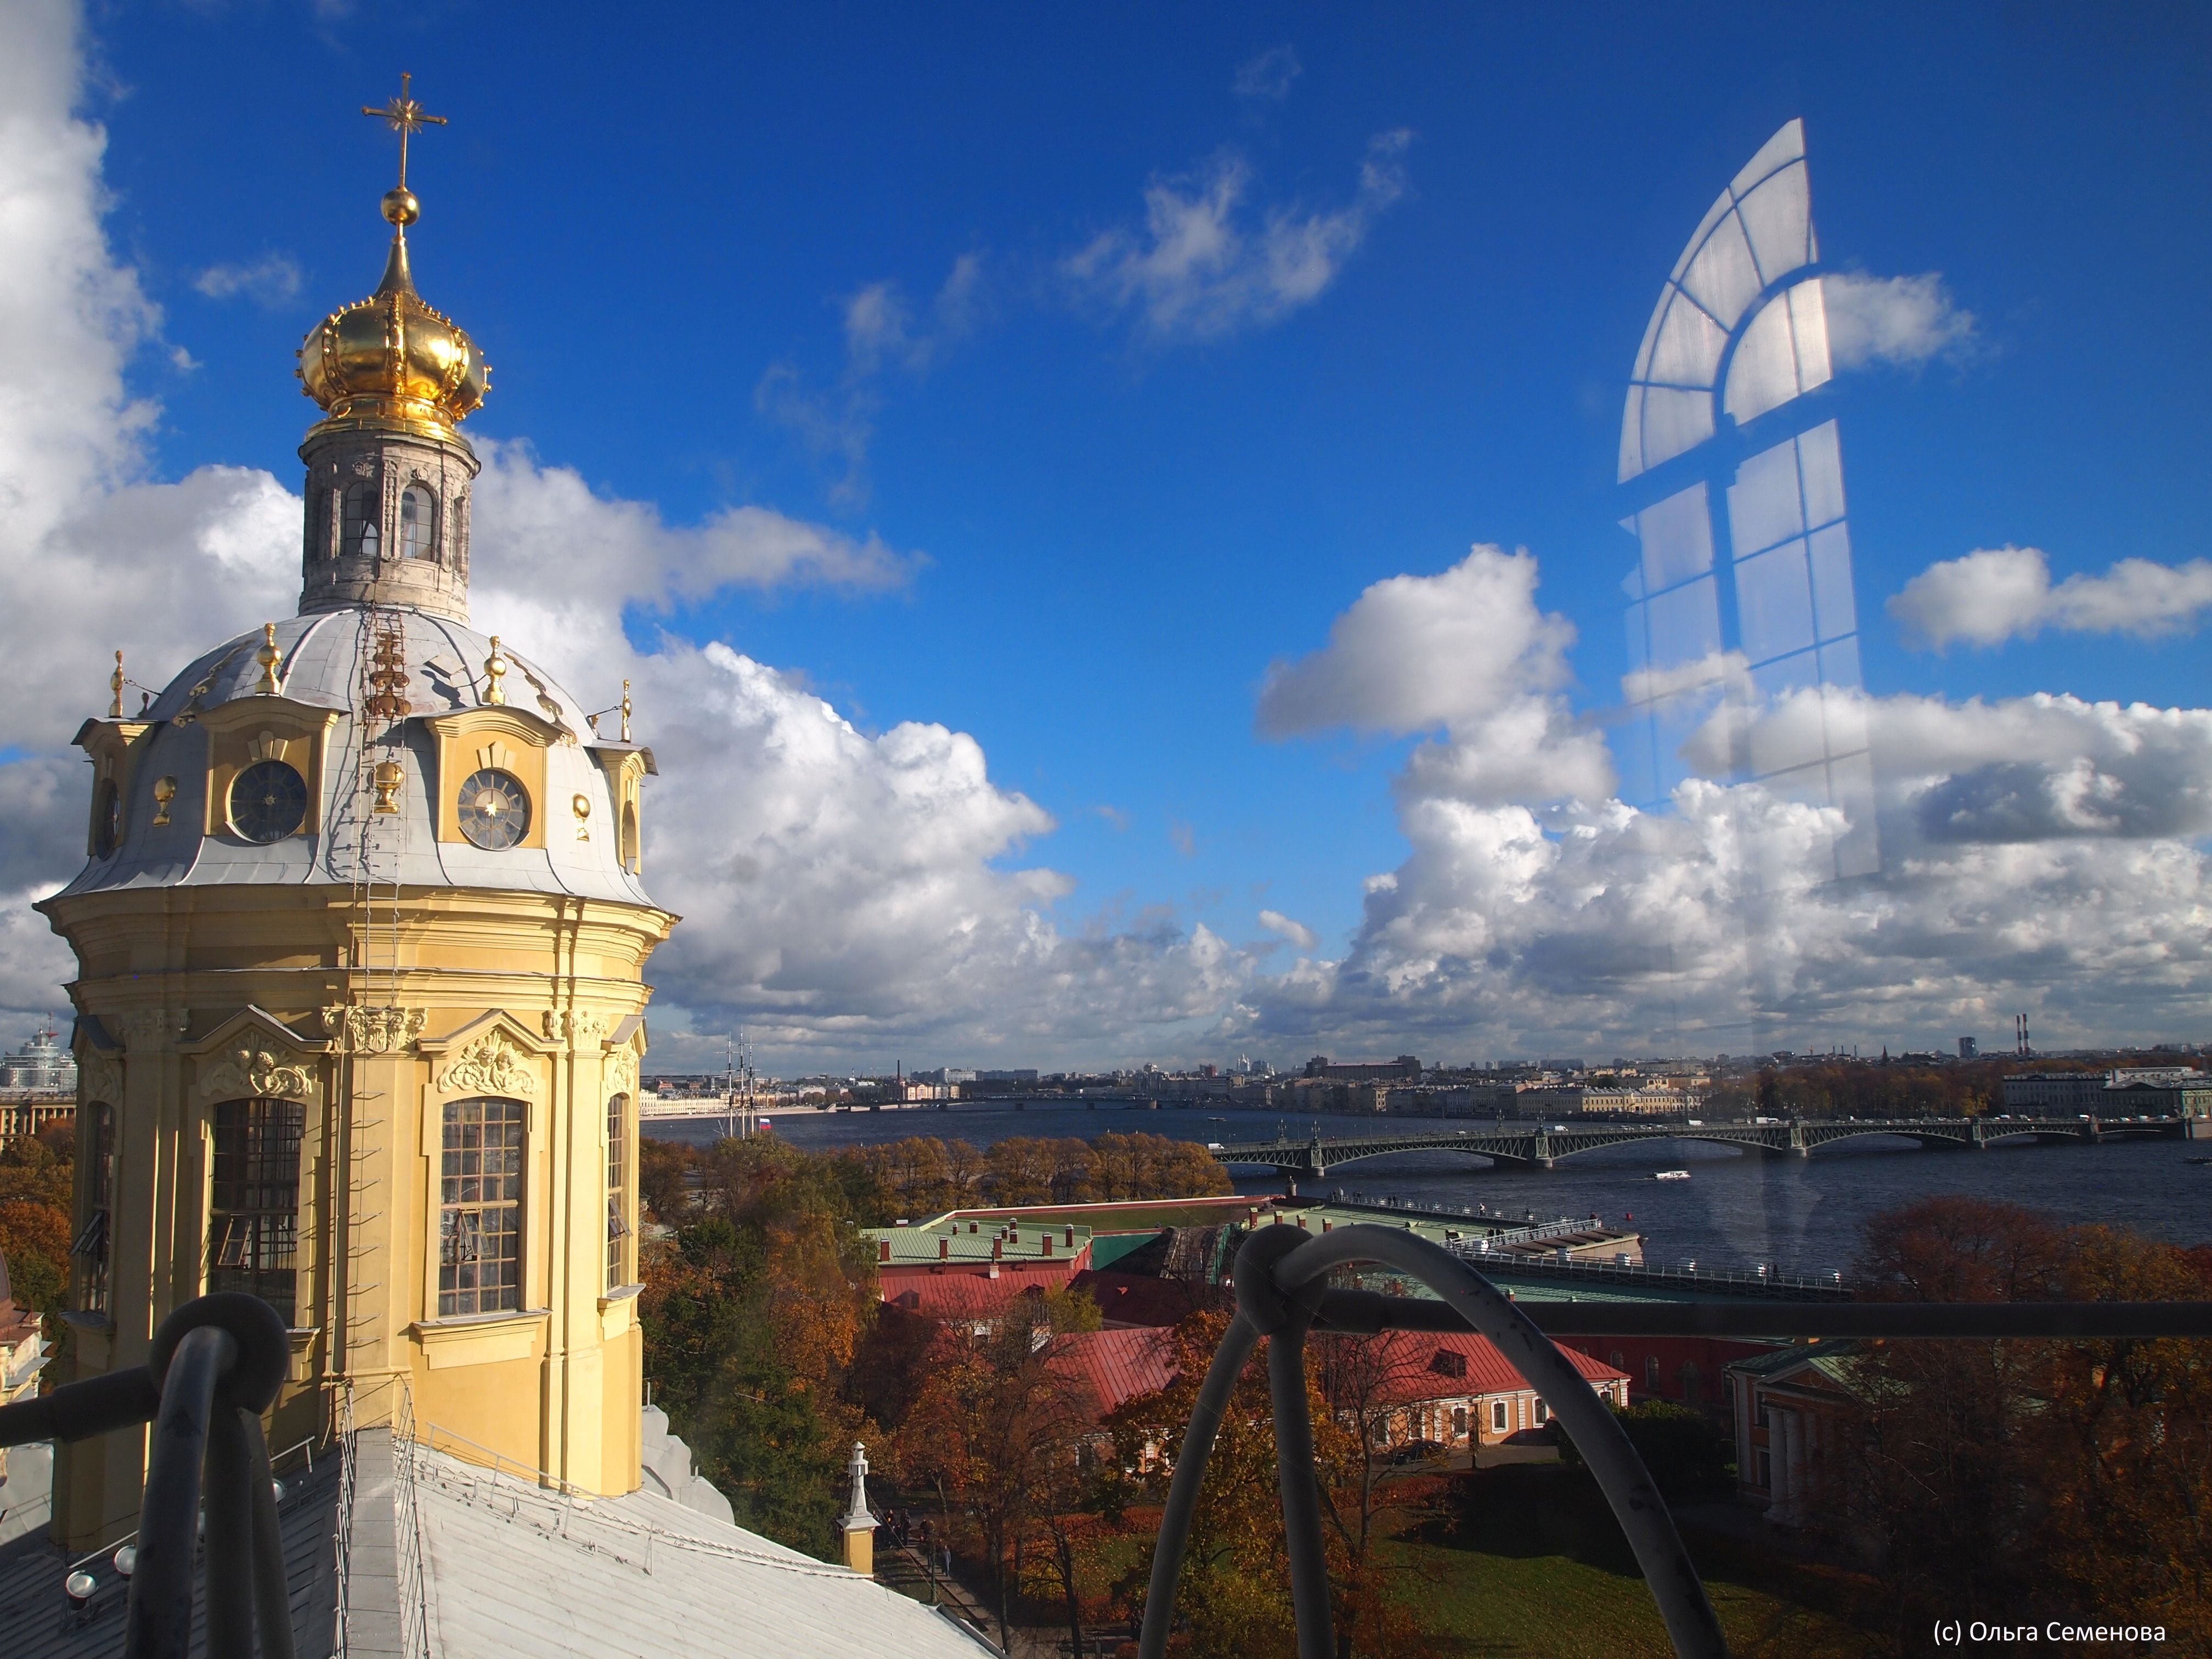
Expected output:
(1541, 1146)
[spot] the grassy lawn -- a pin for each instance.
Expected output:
(1537, 1569)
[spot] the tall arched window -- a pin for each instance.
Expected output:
(96, 1156)
(106, 818)
(418, 526)
(617, 1185)
(480, 1208)
(361, 533)
(253, 1200)
(629, 849)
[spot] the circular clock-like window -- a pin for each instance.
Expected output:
(268, 801)
(494, 810)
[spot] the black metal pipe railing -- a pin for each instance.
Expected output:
(1282, 1293)
(216, 1365)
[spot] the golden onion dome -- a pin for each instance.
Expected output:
(389, 360)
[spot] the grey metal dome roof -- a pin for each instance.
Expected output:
(319, 658)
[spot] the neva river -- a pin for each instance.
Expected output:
(1737, 1209)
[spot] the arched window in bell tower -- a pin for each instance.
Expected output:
(362, 535)
(418, 524)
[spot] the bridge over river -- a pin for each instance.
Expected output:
(1541, 1146)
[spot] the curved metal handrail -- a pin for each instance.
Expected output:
(1280, 1279)
(1281, 1293)
(215, 1366)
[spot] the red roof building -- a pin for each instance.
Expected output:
(968, 1296)
(1136, 1298)
(1457, 1390)
(1104, 1370)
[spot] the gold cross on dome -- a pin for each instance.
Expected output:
(406, 118)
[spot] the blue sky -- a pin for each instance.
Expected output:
(656, 220)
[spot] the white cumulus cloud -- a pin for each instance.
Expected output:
(269, 281)
(1902, 320)
(2041, 853)
(1286, 927)
(844, 890)
(1994, 594)
(1468, 651)
(1205, 264)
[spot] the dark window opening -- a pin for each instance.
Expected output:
(253, 1200)
(362, 534)
(418, 524)
(89, 1251)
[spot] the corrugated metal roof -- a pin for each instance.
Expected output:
(1419, 1365)
(517, 1570)
(960, 1293)
(914, 1247)
(1106, 1368)
(37, 1622)
(1137, 1298)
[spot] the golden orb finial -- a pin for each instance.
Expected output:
(268, 656)
(402, 207)
(494, 671)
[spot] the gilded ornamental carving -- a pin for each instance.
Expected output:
(489, 1065)
(373, 1030)
(248, 1072)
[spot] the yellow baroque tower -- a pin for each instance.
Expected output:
(361, 942)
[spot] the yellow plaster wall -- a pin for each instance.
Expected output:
(172, 974)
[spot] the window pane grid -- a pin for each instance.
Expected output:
(480, 1208)
(253, 1200)
(617, 1170)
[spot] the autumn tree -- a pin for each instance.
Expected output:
(1365, 1383)
(1233, 1598)
(2002, 1477)
(996, 1434)
(36, 1175)
(751, 1315)
(2124, 1444)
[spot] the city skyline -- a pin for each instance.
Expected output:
(1177, 419)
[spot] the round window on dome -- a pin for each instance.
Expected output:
(494, 810)
(268, 802)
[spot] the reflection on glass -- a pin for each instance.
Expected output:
(1742, 624)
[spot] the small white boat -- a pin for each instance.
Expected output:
(1670, 1175)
